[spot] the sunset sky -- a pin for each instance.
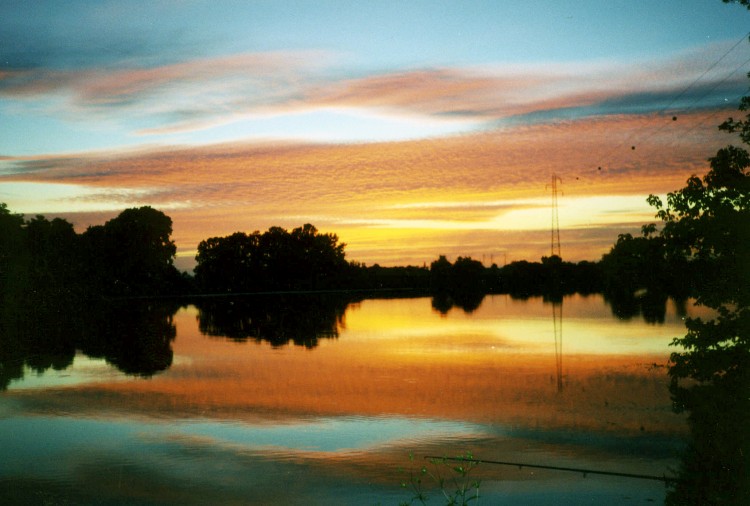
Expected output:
(410, 129)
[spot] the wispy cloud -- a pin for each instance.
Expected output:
(193, 92)
(513, 159)
(591, 124)
(205, 93)
(594, 88)
(462, 194)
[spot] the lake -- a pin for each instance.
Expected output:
(301, 399)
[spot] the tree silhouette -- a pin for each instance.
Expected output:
(707, 225)
(11, 249)
(52, 283)
(302, 259)
(229, 264)
(441, 274)
(461, 284)
(132, 254)
(53, 256)
(634, 263)
(318, 258)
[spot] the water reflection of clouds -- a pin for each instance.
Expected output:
(60, 439)
(83, 370)
(340, 434)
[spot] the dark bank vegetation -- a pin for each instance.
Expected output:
(62, 292)
(108, 292)
(133, 255)
(46, 261)
(706, 226)
(304, 259)
(706, 229)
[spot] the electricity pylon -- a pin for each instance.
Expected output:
(557, 323)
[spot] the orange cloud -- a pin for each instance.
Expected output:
(409, 201)
(500, 91)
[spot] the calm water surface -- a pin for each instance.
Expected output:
(262, 401)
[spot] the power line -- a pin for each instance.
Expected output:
(638, 133)
(684, 134)
(709, 69)
(651, 143)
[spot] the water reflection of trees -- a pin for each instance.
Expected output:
(302, 319)
(714, 468)
(134, 336)
(468, 301)
(651, 305)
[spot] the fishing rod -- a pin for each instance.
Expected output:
(585, 472)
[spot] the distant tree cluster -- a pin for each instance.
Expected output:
(464, 275)
(133, 254)
(377, 277)
(302, 259)
(462, 283)
(637, 278)
(552, 277)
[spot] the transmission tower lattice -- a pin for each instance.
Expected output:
(557, 308)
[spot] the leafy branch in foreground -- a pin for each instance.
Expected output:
(451, 476)
(708, 223)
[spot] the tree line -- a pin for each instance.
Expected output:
(133, 255)
(304, 259)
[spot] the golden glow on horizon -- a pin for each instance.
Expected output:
(44, 197)
(395, 203)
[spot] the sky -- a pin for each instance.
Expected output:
(410, 129)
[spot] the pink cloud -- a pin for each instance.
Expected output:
(206, 92)
(201, 87)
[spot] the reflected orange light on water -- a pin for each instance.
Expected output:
(495, 366)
